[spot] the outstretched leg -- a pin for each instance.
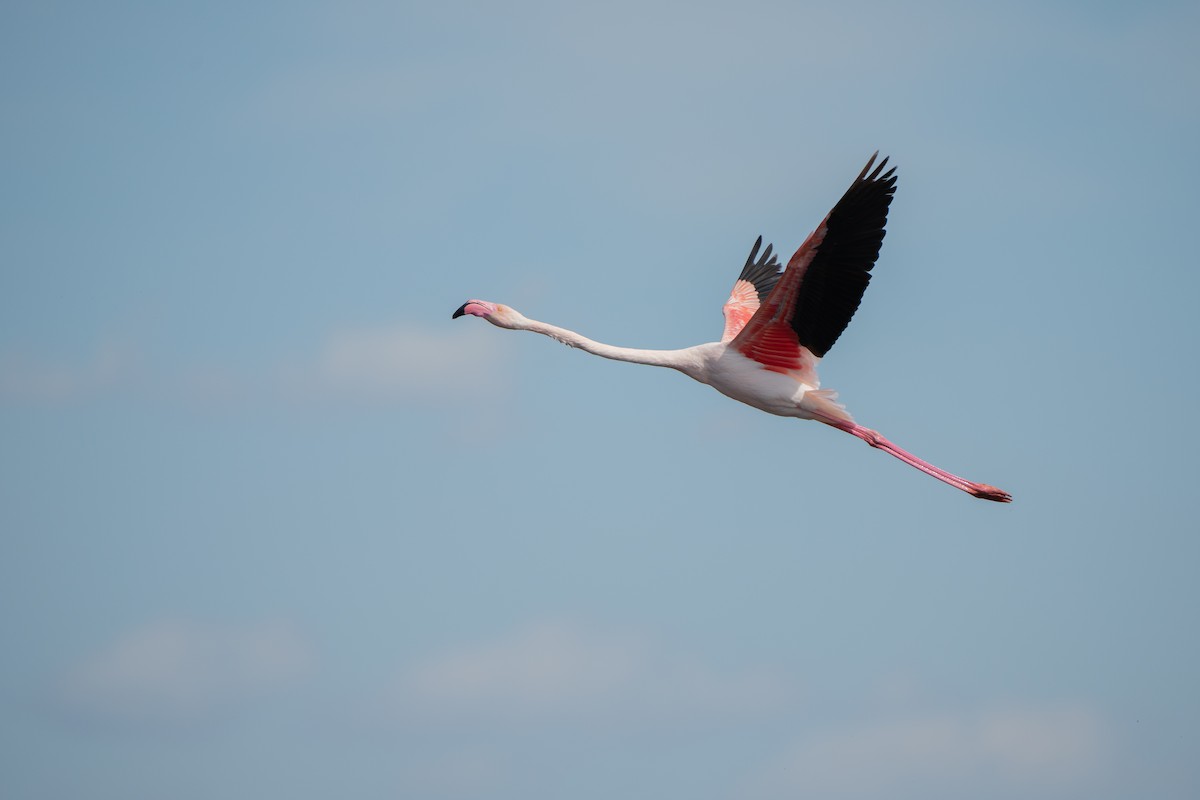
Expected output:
(876, 439)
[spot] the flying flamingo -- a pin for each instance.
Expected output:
(780, 323)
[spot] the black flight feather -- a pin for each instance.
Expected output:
(838, 275)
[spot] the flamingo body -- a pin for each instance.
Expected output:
(756, 384)
(780, 323)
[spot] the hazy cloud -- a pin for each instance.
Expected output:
(383, 365)
(380, 365)
(178, 673)
(558, 671)
(407, 363)
(35, 379)
(1016, 751)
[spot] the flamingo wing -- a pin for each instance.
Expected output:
(758, 278)
(819, 291)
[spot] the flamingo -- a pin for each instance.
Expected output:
(779, 323)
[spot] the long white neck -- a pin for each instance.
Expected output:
(675, 359)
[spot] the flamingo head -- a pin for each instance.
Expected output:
(499, 315)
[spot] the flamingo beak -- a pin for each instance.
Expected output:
(476, 308)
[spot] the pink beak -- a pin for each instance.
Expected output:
(476, 308)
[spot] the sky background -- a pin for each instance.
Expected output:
(272, 525)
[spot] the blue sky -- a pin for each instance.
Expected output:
(274, 525)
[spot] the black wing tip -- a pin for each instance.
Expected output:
(867, 168)
(753, 253)
(877, 175)
(768, 257)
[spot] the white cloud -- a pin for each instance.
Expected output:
(555, 672)
(178, 673)
(1007, 752)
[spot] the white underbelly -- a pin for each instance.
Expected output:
(749, 382)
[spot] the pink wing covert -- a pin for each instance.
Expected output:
(769, 337)
(739, 308)
(758, 278)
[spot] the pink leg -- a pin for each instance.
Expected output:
(876, 439)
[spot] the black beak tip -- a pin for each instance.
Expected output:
(460, 312)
